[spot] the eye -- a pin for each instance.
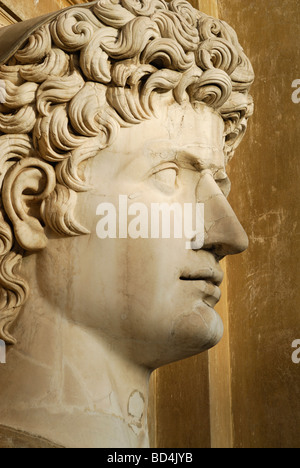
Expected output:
(165, 177)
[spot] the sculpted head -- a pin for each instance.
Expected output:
(144, 99)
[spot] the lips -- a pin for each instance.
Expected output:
(207, 281)
(209, 274)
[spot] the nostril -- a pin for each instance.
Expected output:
(223, 250)
(226, 237)
(218, 252)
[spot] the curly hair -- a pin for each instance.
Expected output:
(91, 71)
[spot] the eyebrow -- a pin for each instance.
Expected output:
(190, 155)
(160, 146)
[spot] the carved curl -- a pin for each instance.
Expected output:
(65, 95)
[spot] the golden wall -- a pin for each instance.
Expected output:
(263, 284)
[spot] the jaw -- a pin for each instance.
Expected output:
(191, 333)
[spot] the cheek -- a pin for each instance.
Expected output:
(121, 285)
(99, 300)
(150, 282)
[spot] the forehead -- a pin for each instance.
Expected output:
(176, 132)
(185, 133)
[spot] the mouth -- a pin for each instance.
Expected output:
(207, 281)
(209, 274)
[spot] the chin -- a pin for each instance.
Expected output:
(192, 333)
(197, 331)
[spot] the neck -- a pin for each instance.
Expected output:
(70, 386)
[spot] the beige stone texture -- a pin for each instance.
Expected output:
(10, 438)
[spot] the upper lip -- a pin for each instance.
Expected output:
(209, 274)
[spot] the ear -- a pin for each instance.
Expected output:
(25, 186)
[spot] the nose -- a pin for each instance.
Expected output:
(223, 233)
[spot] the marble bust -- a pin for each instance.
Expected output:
(148, 100)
